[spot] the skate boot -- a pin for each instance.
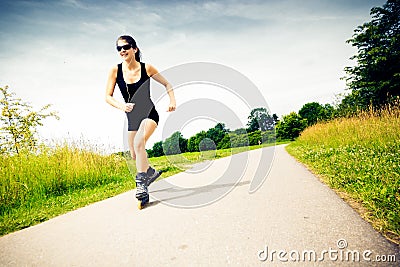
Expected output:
(152, 175)
(142, 193)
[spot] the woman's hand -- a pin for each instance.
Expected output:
(127, 107)
(171, 106)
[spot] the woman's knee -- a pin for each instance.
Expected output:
(139, 143)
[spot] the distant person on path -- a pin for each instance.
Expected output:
(133, 79)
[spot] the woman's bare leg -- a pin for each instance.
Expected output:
(146, 129)
(131, 138)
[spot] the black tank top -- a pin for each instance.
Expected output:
(139, 92)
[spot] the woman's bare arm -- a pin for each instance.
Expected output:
(152, 72)
(112, 76)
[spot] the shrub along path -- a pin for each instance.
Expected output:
(291, 215)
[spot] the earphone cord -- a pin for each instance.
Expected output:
(127, 89)
(129, 95)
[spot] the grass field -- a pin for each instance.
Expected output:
(360, 158)
(35, 188)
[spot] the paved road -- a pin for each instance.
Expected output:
(290, 215)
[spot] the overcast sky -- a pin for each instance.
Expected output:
(60, 52)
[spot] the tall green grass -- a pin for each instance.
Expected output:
(360, 158)
(31, 183)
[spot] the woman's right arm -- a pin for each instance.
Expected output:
(112, 77)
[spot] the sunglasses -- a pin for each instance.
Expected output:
(125, 47)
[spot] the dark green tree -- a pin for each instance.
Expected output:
(214, 136)
(191, 145)
(328, 112)
(375, 79)
(311, 112)
(255, 138)
(239, 131)
(238, 140)
(194, 141)
(290, 126)
(260, 119)
(217, 133)
(275, 117)
(175, 144)
(207, 144)
(157, 150)
(315, 112)
(225, 142)
(268, 136)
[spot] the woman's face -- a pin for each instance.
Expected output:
(126, 51)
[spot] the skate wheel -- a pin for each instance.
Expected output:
(140, 205)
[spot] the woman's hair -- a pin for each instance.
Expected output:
(132, 42)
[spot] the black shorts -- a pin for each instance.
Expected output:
(136, 116)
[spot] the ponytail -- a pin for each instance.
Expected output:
(138, 55)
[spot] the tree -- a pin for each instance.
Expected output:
(290, 126)
(260, 119)
(237, 140)
(217, 133)
(207, 144)
(375, 79)
(157, 150)
(194, 141)
(311, 111)
(239, 131)
(175, 144)
(315, 112)
(255, 138)
(225, 142)
(328, 112)
(268, 136)
(207, 140)
(19, 122)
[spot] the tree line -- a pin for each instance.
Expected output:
(260, 129)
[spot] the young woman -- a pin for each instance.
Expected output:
(133, 79)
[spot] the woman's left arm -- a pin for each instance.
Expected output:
(152, 72)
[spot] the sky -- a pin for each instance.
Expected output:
(60, 53)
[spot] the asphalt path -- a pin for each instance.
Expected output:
(197, 219)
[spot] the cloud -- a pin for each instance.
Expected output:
(75, 4)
